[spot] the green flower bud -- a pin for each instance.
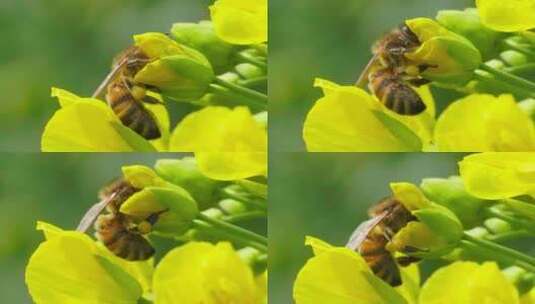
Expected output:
(141, 176)
(513, 58)
(468, 24)
(253, 258)
(524, 280)
(528, 106)
(214, 213)
(231, 206)
(497, 226)
(180, 208)
(202, 37)
(185, 173)
(454, 56)
(254, 188)
(180, 72)
(437, 230)
(450, 193)
(249, 71)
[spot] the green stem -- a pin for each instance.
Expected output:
(233, 99)
(244, 216)
(236, 239)
(257, 204)
(253, 81)
(250, 59)
(507, 236)
(496, 250)
(251, 94)
(510, 78)
(493, 82)
(512, 220)
(528, 67)
(233, 229)
(520, 49)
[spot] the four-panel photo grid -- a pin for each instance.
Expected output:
(267, 151)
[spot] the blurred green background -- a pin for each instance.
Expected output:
(327, 195)
(332, 40)
(56, 188)
(69, 44)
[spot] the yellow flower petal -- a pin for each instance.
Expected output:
(528, 298)
(410, 289)
(219, 129)
(318, 246)
(240, 21)
(455, 56)
(228, 144)
(507, 16)
(204, 273)
(468, 283)
(83, 127)
(89, 125)
(483, 122)
(340, 276)
(141, 270)
(232, 165)
(68, 269)
(348, 119)
(499, 175)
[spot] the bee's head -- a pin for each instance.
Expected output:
(409, 35)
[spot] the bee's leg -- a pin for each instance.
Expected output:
(388, 233)
(407, 260)
(153, 218)
(424, 66)
(133, 63)
(151, 100)
(418, 82)
(412, 249)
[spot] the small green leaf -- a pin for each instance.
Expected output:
(400, 131)
(133, 139)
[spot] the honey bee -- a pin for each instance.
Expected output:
(371, 237)
(126, 97)
(117, 231)
(390, 75)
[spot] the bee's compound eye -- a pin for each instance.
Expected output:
(144, 227)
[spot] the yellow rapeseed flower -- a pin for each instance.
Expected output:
(481, 122)
(89, 125)
(468, 283)
(338, 275)
(454, 56)
(200, 272)
(499, 175)
(69, 267)
(240, 21)
(349, 119)
(229, 144)
(507, 16)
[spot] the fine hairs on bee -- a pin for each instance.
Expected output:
(118, 231)
(387, 75)
(126, 97)
(372, 236)
(114, 232)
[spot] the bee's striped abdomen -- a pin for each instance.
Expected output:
(131, 112)
(379, 259)
(112, 232)
(395, 94)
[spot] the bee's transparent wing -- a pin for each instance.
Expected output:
(359, 235)
(363, 78)
(113, 73)
(93, 212)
